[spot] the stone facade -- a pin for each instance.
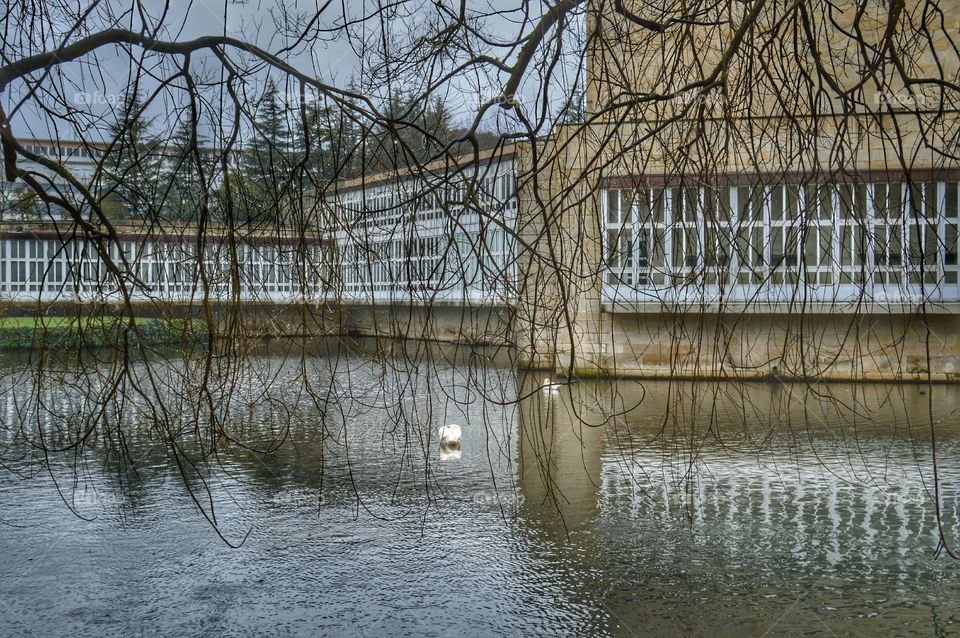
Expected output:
(751, 102)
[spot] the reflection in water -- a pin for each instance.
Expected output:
(729, 508)
(593, 508)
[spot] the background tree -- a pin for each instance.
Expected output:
(334, 142)
(132, 165)
(575, 109)
(417, 129)
(181, 177)
(268, 159)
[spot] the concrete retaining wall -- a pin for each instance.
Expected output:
(875, 347)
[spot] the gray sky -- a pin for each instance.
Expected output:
(98, 83)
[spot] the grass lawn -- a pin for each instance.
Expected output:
(27, 333)
(58, 322)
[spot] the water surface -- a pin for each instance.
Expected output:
(604, 509)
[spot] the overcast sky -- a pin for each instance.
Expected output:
(96, 87)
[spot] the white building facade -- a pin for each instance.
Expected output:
(837, 244)
(443, 234)
(440, 235)
(38, 262)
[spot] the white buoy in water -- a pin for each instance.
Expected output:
(549, 386)
(450, 441)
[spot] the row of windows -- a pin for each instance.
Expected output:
(54, 151)
(453, 264)
(442, 263)
(89, 153)
(136, 250)
(822, 235)
(52, 266)
(421, 201)
(826, 202)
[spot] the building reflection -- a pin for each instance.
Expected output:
(839, 463)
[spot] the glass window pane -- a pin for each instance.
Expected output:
(896, 201)
(692, 247)
(758, 194)
(845, 200)
(809, 202)
(859, 246)
(658, 256)
(691, 204)
(915, 250)
(930, 245)
(677, 248)
(846, 246)
(881, 207)
(810, 248)
(757, 246)
(743, 202)
(793, 202)
(776, 246)
(710, 245)
(613, 247)
(723, 203)
(880, 245)
(951, 200)
(643, 248)
(776, 204)
(826, 245)
(659, 209)
(710, 212)
(860, 201)
(950, 245)
(895, 245)
(643, 206)
(915, 200)
(626, 206)
(613, 206)
(825, 209)
(930, 200)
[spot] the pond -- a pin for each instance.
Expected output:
(603, 508)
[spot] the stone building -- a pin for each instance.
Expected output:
(756, 192)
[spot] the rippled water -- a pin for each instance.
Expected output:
(704, 509)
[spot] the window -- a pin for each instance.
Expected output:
(619, 244)
(903, 238)
(852, 228)
(921, 231)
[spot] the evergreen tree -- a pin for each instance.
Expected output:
(132, 167)
(575, 111)
(421, 128)
(312, 141)
(334, 143)
(268, 158)
(182, 178)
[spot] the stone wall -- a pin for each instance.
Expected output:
(758, 344)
